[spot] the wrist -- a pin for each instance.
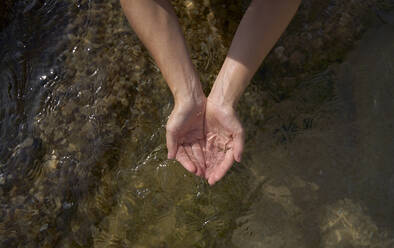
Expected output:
(222, 95)
(190, 92)
(229, 84)
(220, 103)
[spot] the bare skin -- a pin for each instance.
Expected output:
(224, 140)
(259, 30)
(204, 134)
(185, 136)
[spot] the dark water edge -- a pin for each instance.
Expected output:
(82, 154)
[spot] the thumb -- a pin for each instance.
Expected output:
(238, 139)
(172, 145)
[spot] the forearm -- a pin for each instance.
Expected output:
(259, 30)
(156, 24)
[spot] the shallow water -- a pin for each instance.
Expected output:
(82, 149)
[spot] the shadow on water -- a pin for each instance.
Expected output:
(329, 173)
(82, 149)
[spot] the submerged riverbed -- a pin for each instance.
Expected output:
(82, 143)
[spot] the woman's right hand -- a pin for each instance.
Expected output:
(224, 139)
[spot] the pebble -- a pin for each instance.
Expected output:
(279, 51)
(39, 196)
(297, 58)
(27, 142)
(67, 205)
(18, 200)
(71, 148)
(52, 163)
(2, 179)
(44, 227)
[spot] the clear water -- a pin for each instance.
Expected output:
(83, 158)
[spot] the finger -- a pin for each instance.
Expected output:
(184, 159)
(238, 140)
(198, 154)
(190, 154)
(221, 169)
(172, 145)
